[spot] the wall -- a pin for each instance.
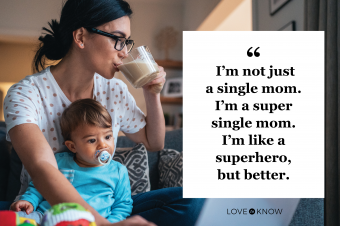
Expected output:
(230, 15)
(26, 18)
(195, 12)
(149, 17)
(238, 20)
(15, 61)
(263, 21)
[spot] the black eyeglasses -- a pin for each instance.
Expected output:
(120, 41)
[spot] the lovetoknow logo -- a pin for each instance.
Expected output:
(252, 211)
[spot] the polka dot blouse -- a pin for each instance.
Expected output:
(38, 99)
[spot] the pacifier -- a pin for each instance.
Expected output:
(104, 156)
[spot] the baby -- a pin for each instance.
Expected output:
(104, 184)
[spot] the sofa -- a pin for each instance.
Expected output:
(310, 212)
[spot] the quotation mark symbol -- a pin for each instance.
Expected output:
(252, 211)
(250, 54)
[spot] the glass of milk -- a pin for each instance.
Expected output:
(139, 67)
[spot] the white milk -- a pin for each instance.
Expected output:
(139, 72)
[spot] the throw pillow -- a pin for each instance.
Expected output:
(136, 161)
(170, 168)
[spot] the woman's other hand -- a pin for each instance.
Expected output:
(156, 85)
(22, 205)
(133, 221)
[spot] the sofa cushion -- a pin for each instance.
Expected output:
(136, 161)
(173, 140)
(170, 168)
(124, 142)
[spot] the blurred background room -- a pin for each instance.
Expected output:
(156, 23)
(159, 24)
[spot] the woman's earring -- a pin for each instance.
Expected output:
(82, 45)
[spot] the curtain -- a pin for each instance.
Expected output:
(323, 15)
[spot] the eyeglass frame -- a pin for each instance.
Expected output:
(114, 37)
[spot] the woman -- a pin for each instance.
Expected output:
(88, 63)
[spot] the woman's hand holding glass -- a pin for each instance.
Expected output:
(156, 85)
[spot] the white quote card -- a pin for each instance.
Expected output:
(253, 122)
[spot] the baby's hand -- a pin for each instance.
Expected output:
(22, 205)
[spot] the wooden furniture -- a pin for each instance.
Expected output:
(171, 100)
(171, 64)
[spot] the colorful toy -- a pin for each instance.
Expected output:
(10, 218)
(65, 214)
(68, 214)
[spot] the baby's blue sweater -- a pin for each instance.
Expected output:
(105, 188)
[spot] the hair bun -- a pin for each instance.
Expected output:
(52, 43)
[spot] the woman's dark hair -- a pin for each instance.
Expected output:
(76, 14)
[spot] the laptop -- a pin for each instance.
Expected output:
(247, 212)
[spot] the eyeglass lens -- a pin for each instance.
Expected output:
(121, 43)
(129, 46)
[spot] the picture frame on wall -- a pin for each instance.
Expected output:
(276, 5)
(173, 87)
(289, 27)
